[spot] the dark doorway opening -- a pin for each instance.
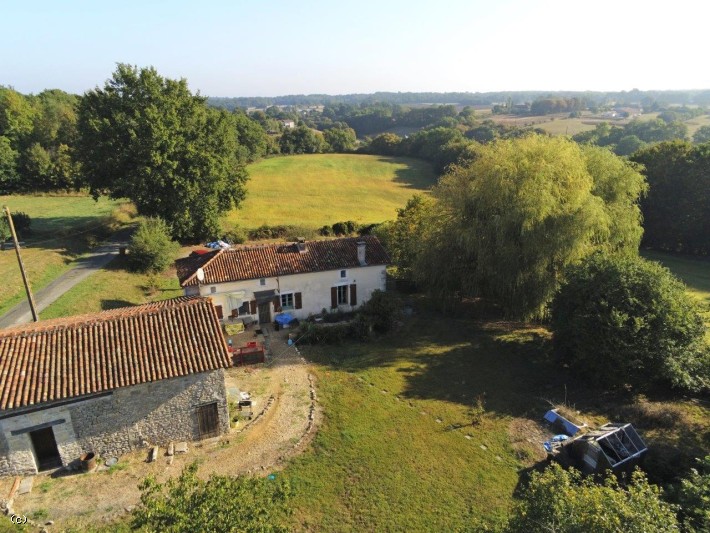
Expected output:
(208, 420)
(46, 451)
(265, 313)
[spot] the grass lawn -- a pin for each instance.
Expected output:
(63, 227)
(319, 189)
(111, 287)
(397, 450)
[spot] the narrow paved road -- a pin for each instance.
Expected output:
(87, 265)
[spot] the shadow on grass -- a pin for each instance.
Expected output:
(418, 174)
(459, 360)
(115, 304)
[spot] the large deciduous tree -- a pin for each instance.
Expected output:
(677, 209)
(623, 320)
(149, 139)
(511, 221)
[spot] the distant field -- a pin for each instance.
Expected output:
(566, 126)
(695, 273)
(696, 123)
(314, 190)
(62, 229)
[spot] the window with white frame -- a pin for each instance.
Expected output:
(213, 290)
(342, 294)
(287, 301)
(343, 274)
(262, 281)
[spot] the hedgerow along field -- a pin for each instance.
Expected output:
(63, 228)
(319, 189)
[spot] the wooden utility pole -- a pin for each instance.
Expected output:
(30, 298)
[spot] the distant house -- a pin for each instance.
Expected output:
(288, 124)
(255, 282)
(110, 382)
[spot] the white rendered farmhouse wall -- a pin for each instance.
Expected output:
(299, 278)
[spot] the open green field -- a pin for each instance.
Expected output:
(63, 228)
(319, 189)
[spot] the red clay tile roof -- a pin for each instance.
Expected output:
(282, 259)
(69, 357)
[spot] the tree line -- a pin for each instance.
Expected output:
(696, 97)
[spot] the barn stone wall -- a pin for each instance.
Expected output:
(128, 418)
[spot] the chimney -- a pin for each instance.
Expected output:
(361, 253)
(301, 244)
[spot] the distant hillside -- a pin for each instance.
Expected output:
(698, 97)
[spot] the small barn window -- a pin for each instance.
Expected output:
(208, 420)
(213, 290)
(343, 273)
(262, 281)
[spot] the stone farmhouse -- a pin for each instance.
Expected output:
(110, 382)
(253, 283)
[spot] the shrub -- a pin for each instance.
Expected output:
(22, 222)
(325, 231)
(382, 310)
(151, 249)
(340, 228)
(220, 504)
(694, 497)
(564, 501)
(620, 320)
(235, 236)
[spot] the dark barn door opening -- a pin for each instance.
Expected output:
(208, 420)
(265, 313)
(46, 450)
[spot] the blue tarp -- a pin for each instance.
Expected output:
(284, 319)
(553, 418)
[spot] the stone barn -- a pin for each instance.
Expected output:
(110, 383)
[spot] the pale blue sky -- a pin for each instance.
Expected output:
(269, 47)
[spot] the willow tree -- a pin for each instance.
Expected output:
(511, 221)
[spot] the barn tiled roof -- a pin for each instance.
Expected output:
(282, 259)
(68, 357)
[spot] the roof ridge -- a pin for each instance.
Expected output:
(87, 319)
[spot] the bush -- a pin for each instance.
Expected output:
(382, 310)
(220, 504)
(564, 501)
(340, 228)
(235, 236)
(694, 497)
(281, 231)
(22, 222)
(626, 320)
(151, 249)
